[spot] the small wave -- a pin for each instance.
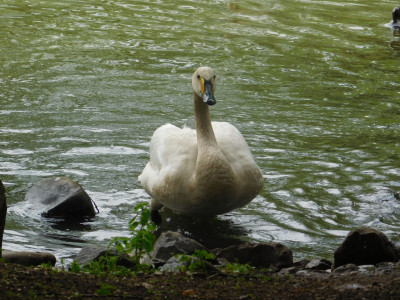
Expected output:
(103, 151)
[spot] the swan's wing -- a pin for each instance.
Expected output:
(238, 154)
(173, 155)
(231, 142)
(235, 149)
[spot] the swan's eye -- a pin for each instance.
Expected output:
(198, 76)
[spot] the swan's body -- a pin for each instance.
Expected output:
(207, 171)
(394, 24)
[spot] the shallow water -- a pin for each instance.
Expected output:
(312, 85)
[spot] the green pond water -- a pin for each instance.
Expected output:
(312, 85)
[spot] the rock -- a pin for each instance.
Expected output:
(345, 269)
(89, 254)
(290, 270)
(175, 264)
(61, 198)
(266, 255)
(365, 246)
(301, 263)
(170, 243)
(319, 264)
(3, 213)
(29, 258)
(179, 263)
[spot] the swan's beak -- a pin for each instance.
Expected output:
(208, 94)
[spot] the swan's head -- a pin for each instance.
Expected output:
(396, 15)
(203, 82)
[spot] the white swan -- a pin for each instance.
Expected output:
(207, 171)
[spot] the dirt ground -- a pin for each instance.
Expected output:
(18, 282)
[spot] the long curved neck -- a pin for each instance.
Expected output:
(205, 133)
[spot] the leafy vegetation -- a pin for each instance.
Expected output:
(143, 237)
(105, 266)
(105, 289)
(238, 268)
(197, 262)
(140, 243)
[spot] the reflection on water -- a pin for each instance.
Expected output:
(211, 232)
(312, 85)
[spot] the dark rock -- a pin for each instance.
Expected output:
(61, 198)
(170, 243)
(89, 254)
(3, 213)
(365, 246)
(29, 258)
(319, 264)
(301, 263)
(266, 255)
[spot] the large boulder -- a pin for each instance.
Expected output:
(266, 255)
(29, 258)
(61, 198)
(170, 243)
(365, 246)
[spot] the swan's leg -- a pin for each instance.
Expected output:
(154, 214)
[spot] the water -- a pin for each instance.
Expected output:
(312, 85)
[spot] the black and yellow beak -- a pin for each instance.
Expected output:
(207, 91)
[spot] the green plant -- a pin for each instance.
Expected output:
(198, 261)
(238, 268)
(139, 243)
(105, 289)
(104, 266)
(46, 266)
(75, 267)
(143, 237)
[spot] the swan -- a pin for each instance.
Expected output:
(203, 172)
(394, 24)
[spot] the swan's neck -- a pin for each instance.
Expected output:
(214, 175)
(205, 133)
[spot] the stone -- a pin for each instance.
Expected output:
(346, 269)
(92, 253)
(319, 264)
(365, 246)
(29, 258)
(3, 213)
(301, 263)
(61, 197)
(170, 243)
(175, 265)
(265, 255)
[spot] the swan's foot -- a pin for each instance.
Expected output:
(155, 217)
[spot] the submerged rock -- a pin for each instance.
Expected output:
(61, 198)
(265, 255)
(365, 246)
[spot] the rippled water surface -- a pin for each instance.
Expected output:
(312, 85)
